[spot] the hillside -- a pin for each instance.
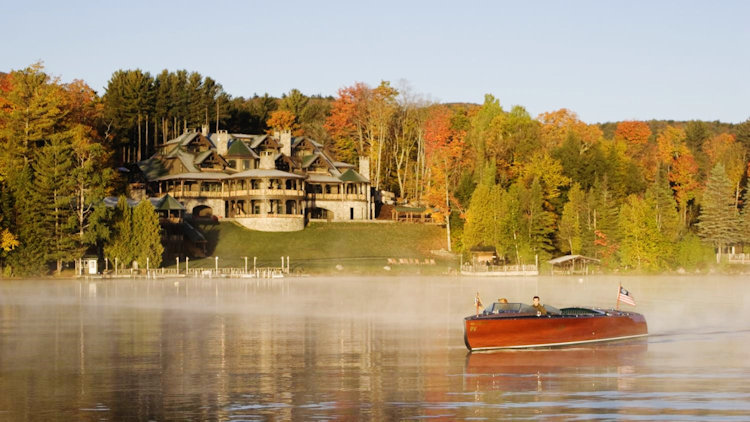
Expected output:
(356, 247)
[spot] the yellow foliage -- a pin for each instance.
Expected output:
(8, 241)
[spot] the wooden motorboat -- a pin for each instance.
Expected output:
(517, 325)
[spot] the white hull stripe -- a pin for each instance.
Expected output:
(526, 346)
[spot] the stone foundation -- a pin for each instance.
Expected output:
(272, 224)
(342, 210)
(217, 205)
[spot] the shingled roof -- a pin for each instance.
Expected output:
(352, 176)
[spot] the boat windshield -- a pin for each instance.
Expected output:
(517, 308)
(504, 308)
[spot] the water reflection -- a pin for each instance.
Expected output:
(524, 370)
(361, 348)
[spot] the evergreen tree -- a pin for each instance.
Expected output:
(53, 195)
(29, 258)
(718, 220)
(147, 235)
(571, 230)
(98, 227)
(603, 221)
(121, 247)
(539, 223)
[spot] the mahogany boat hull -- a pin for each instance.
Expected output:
(487, 332)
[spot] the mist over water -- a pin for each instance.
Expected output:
(362, 348)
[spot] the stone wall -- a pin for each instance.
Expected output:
(272, 224)
(217, 205)
(342, 209)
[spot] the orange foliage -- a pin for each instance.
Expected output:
(444, 147)
(718, 146)
(557, 125)
(683, 174)
(6, 85)
(633, 132)
(83, 103)
(282, 120)
(349, 114)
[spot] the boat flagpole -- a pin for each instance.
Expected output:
(619, 288)
(477, 302)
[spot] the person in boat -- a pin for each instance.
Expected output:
(538, 306)
(501, 301)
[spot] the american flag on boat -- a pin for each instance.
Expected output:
(624, 297)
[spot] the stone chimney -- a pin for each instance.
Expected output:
(222, 142)
(285, 139)
(364, 167)
(266, 160)
(204, 130)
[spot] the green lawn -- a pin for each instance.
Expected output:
(357, 247)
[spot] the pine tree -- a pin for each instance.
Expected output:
(604, 221)
(540, 223)
(147, 235)
(53, 195)
(29, 258)
(480, 223)
(121, 247)
(718, 221)
(571, 234)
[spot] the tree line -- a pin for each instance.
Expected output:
(651, 195)
(55, 169)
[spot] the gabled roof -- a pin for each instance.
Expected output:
(292, 163)
(265, 173)
(202, 156)
(187, 138)
(187, 159)
(352, 176)
(183, 139)
(341, 164)
(205, 154)
(308, 160)
(238, 148)
(322, 178)
(151, 168)
(566, 258)
(197, 175)
(297, 141)
(167, 203)
(264, 138)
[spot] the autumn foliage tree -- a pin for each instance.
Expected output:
(444, 147)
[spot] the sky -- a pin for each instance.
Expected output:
(604, 60)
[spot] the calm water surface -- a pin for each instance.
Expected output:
(361, 348)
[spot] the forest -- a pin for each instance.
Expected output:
(646, 196)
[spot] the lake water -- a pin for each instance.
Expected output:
(362, 348)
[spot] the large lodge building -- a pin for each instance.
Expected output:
(264, 182)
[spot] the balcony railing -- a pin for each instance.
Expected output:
(241, 215)
(338, 196)
(267, 192)
(289, 193)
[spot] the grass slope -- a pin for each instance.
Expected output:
(358, 247)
